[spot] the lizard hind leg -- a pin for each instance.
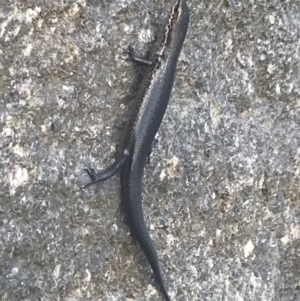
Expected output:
(107, 173)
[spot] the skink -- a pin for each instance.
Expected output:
(146, 116)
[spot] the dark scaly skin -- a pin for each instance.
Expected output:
(146, 115)
(151, 103)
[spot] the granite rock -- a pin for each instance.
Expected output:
(221, 193)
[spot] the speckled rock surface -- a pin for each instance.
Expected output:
(221, 193)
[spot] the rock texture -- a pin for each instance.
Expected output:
(221, 193)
